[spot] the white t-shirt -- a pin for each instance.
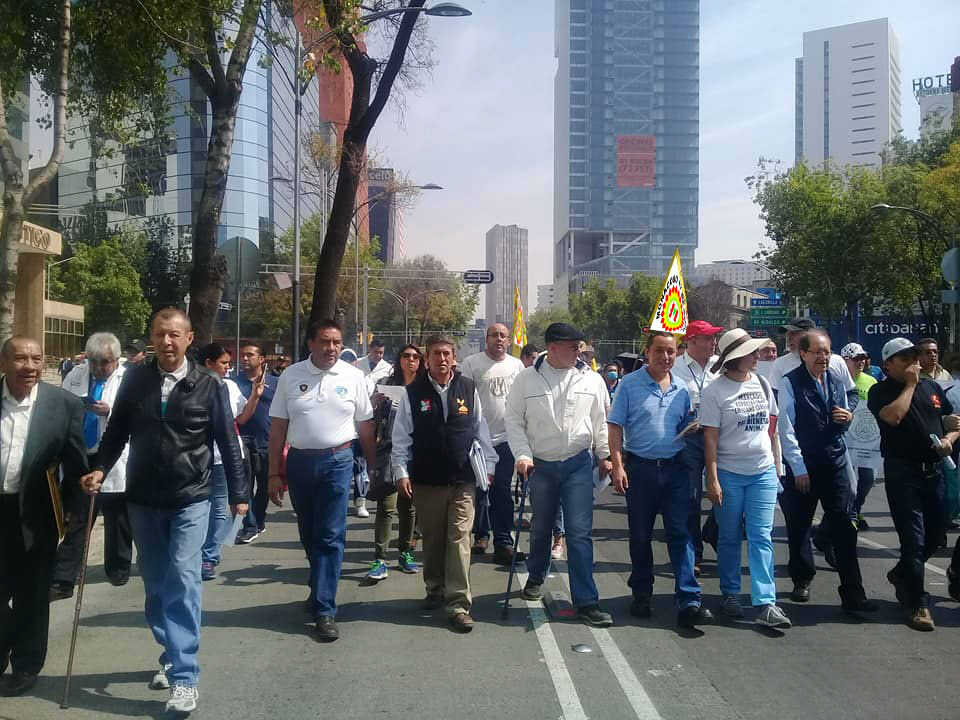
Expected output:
(791, 361)
(237, 403)
(493, 380)
(742, 412)
(322, 406)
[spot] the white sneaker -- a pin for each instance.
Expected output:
(556, 552)
(160, 681)
(183, 699)
(774, 617)
(360, 505)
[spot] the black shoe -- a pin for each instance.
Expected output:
(800, 593)
(593, 615)
(953, 584)
(533, 591)
(119, 579)
(3, 663)
(60, 591)
(503, 555)
(327, 629)
(694, 615)
(640, 608)
(432, 602)
(894, 579)
(860, 604)
(17, 683)
(247, 536)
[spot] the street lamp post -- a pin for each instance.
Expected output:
(405, 303)
(938, 228)
(47, 281)
(444, 9)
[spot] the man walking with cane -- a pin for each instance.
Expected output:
(41, 428)
(171, 413)
(555, 415)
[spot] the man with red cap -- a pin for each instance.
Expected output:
(693, 369)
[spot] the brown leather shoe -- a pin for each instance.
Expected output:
(479, 546)
(461, 622)
(432, 602)
(504, 555)
(920, 619)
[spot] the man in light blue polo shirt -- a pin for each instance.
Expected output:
(649, 410)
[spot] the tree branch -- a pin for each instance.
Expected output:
(10, 164)
(246, 32)
(213, 50)
(59, 111)
(199, 73)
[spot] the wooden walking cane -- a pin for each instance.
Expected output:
(516, 544)
(76, 612)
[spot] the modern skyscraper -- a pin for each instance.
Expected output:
(848, 94)
(544, 297)
(507, 259)
(626, 138)
(383, 214)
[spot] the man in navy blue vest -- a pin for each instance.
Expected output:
(438, 420)
(813, 418)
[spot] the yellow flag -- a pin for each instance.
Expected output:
(519, 326)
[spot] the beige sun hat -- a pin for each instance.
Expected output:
(735, 344)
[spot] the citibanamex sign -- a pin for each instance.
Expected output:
(36, 237)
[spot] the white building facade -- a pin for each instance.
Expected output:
(848, 94)
(742, 273)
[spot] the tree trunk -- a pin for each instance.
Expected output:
(10, 231)
(209, 275)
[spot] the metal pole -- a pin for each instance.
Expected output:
(64, 702)
(297, 111)
(406, 327)
(236, 358)
(366, 295)
(356, 304)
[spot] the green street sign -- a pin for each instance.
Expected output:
(768, 312)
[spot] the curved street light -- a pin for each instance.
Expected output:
(405, 302)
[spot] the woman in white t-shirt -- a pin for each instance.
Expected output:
(738, 414)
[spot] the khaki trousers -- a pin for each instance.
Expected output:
(445, 514)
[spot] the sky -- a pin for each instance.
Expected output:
(481, 125)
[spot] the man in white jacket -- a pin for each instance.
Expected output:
(375, 368)
(97, 381)
(555, 415)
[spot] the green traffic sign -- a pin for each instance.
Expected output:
(769, 312)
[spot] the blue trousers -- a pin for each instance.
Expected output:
(567, 484)
(748, 499)
(320, 490)
(494, 507)
(221, 522)
(660, 488)
(168, 544)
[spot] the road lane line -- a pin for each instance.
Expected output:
(562, 682)
(641, 703)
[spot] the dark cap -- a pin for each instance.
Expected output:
(138, 346)
(799, 324)
(562, 332)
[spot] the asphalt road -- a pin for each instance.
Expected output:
(396, 661)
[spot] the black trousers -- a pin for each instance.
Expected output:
(259, 489)
(24, 593)
(916, 493)
(831, 488)
(117, 540)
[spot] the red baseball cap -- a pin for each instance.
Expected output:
(702, 327)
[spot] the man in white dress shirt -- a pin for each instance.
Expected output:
(375, 368)
(320, 406)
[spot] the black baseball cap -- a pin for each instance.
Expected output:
(562, 332)
(798, 324)
(137, 346)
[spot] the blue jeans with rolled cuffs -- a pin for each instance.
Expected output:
(319, 485)
(567, 484)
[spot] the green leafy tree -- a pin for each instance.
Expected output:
(540, 320)
(607, 312)
(104, 280)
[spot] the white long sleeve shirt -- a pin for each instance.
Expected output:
(554, 414)
(403, 431)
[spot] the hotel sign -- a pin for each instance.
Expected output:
(931, 85)
(40, 239)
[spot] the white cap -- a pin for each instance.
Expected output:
(852, 350)
(894, 347)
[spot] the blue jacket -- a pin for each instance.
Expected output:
(808, 433)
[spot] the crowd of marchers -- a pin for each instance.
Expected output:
(181, 456)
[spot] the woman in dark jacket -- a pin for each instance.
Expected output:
(407, 368)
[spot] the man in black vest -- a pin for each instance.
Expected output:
(813, 419)
(41, 429)
(437, 423)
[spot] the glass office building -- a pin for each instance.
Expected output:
(255, 209)
(626, 138)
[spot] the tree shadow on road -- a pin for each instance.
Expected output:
(92, 692)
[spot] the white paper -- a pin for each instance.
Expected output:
(394, 392)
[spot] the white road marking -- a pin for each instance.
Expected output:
(562, 682)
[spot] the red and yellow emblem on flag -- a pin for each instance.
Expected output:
(670, 314)
(519, 326)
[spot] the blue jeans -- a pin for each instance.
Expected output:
(663, 488)
(494, 508)
(751, 499)
(865, 479)
(168, 544)
(221, 522)
(567, 484)
(693, 461)
(320, 490)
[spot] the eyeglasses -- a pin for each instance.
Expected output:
(819, 353)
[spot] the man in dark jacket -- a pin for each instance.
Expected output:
(438, 420)
(813, 418)
(41, 428)
(171, 413)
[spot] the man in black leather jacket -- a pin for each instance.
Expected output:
(172, 412)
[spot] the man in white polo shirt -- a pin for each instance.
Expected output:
(321, 404)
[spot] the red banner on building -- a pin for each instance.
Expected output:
(636, 160)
